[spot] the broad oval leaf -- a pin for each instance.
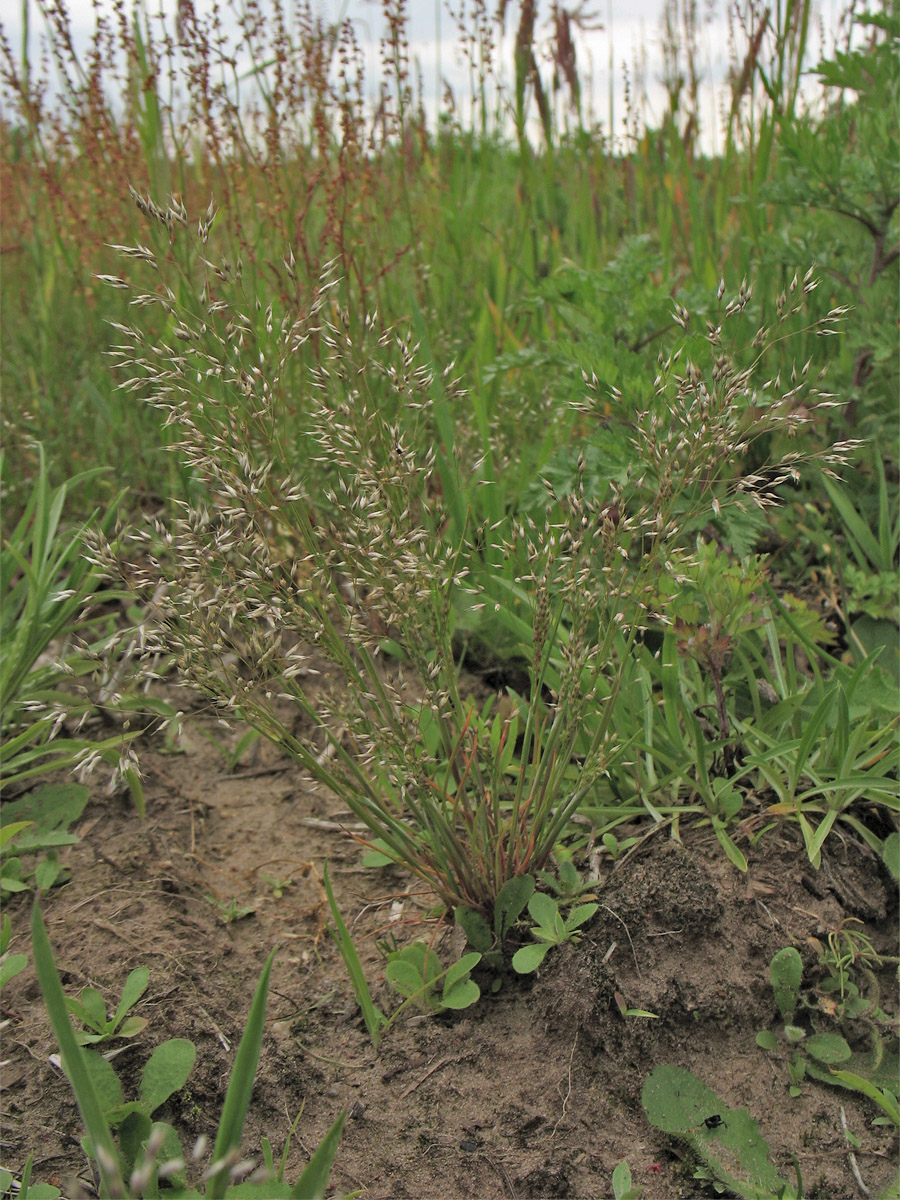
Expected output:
(93, 1009)
(544, 910)
(166, 1072)
(828, 1048)
(461, 969)
(529, 958)
(475, 927)
(510, 903)
(104, 1079)
(461, 994)
(785, 973)
(404, 977)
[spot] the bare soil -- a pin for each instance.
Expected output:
(532, 1093)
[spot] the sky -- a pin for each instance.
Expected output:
(632, 37)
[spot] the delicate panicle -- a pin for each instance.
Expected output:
(351, 550)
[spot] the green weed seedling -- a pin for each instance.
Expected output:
(615, 848)
(566, 884)
(826, 1055)
(849, 951)
(623, 1189)
(38, 824)
(278, 886)
(230, 911)
(552, 929)
(416, 973)
(23, 1188)
(165, 1073)
(625, 1011)
(242, 746)
(134, 1154)
(11, 879)
(727, 1141)
(786, 973)
(49, 595)
(90, 1009)
(508, 908)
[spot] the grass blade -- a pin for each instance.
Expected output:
(862, 541)
(237, 1098)
(372, 1016)
(73, 1060)
(312, 1183)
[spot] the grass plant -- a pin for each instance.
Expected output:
(459, 225)
(52, 628)
(415, 391)
(37, 825)
(356, 550)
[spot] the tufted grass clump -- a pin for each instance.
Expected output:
(333, 548)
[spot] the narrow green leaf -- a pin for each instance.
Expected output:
(822, 832)
(85, 1094)
(883, 1098)
(135, 986)
(865, 547)
(372, 1016)
(891, 855)
(313, 1182)
(810, 734)
(237, 1098)
(733, 853)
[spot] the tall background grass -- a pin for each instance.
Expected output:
(467, 232)
(529, 249)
